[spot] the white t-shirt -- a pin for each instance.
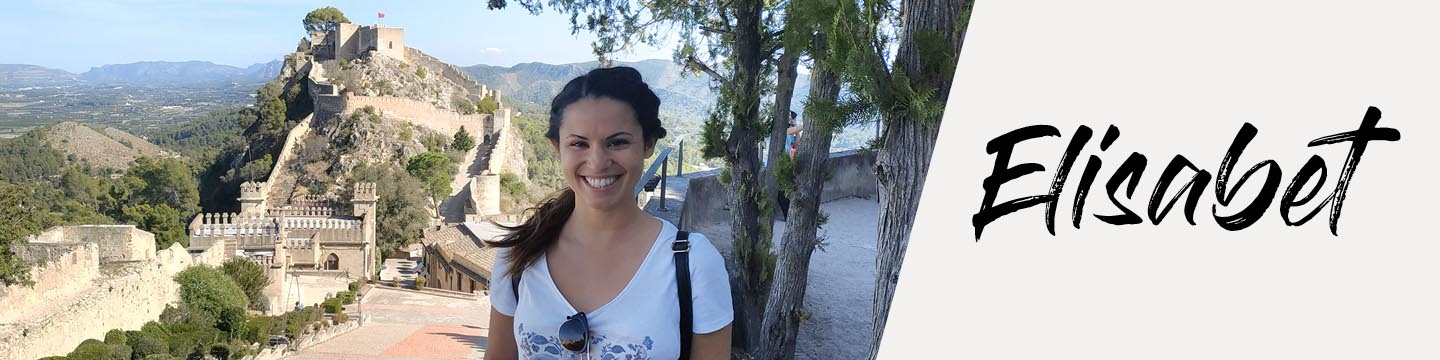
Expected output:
(642, 322)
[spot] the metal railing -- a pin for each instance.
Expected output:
(662, 164)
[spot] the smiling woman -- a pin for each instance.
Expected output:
(588, 271)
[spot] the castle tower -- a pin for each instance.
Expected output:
(364, 203)
(252, 198)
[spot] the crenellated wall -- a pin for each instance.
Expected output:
(89, 279)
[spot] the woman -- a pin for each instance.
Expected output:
(589, 261)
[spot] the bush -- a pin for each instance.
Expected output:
(208, 290)
(395, 282)
(331, 306)
(355, 286)
(251, 278)
(146, 345)
(346, 297)
(159, 357)
(220, 351)
(340, 317)
(419, 283)
(115, 337)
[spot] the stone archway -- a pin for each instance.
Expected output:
(332, 262)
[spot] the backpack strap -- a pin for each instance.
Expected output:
(682, 280)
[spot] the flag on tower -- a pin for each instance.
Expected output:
(382, 15)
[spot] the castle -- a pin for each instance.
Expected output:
(348, 41)
(293, 242)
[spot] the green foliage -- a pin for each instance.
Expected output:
(401, 213)
(324, 19)
(463, 105)
(419, 282)
(340, 318)
(434, 170)
(355, 286)
(164, 181)
(220, 351)
(24, 216)
(435, 142)
(346, 297)
(785, 176)
(251, 278)
(272, 109)
(463, 140)
(147, 344)
(209, 291)
(161, 219)
(115, 337)
(27, 158)
(419, 71)
(331, 305)
(487, 105)
(511, 185)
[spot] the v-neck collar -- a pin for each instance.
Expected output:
(544, 264)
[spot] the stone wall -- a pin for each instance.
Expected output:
(416, 112)
(281, 182)
(59, 270)
(708, 203)
(89, 280)
(115, 242)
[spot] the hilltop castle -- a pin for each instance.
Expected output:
(348, 41)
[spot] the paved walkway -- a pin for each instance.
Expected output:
(409, 325)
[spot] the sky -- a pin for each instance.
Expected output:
(78, 35)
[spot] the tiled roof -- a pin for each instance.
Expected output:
(465, 243)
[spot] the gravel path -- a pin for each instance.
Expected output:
(840, 291)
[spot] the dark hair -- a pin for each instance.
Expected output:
(793, 115)
(529, 240)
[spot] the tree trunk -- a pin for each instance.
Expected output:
(784, 91)
(784, 311)
(904, 159)
(751, 247)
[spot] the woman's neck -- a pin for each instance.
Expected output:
(603, 226)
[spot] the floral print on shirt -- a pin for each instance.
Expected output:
(546, 347)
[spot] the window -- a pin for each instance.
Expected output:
(332, 262)
(391, 44)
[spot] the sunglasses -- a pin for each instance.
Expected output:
(575, 332)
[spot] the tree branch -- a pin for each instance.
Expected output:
(700, 66)
(710, 29)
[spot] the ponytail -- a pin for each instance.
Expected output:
(528, 241)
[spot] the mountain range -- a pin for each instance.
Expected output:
(139, 73)
(537, 83)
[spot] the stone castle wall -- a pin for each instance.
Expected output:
(416, 112)
(77, 295)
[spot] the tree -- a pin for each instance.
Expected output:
(158, 219)
(324, 19)
(783, 311)
(208, 291)
(251, 278)
(435, 171)
(463, 140)
(164, 181)
(487, 105)
(910, 95)
(401, 214)
(23, 215)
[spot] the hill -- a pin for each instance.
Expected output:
(19, 75)
(104, 148)
(537, 83)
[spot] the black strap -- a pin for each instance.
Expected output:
(681, 247)
(682, 279)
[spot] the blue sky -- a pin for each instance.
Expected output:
(78, 35)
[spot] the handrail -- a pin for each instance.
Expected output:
(660, 161)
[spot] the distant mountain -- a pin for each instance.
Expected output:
(688, 96)
(18, 75)
(186, 72)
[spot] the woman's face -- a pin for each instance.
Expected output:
(602, 152)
